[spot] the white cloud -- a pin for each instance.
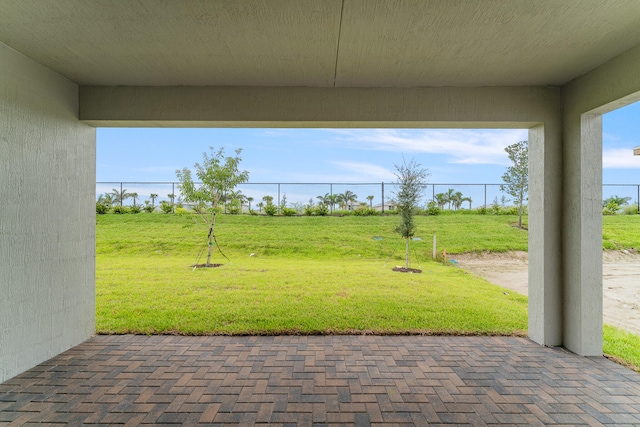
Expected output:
(465, 146)
(620, 158)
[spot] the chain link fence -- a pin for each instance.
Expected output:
(379, 195)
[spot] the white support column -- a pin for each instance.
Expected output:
(545, 246)
(582, 234)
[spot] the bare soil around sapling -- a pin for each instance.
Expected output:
(406, 270)
(206, 265)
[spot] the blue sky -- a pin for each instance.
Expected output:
(345, 155)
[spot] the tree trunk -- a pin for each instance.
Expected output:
(520, 212)
(210, 243)
(406, 262)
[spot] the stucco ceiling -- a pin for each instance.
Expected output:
(321, 43)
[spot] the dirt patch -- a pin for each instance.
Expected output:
(621, 280)
(206, 265)
(406, 270)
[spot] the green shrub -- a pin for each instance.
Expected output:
(322, 210)
(309, 210)
(366, 212)
(166, 207)
(101, 208)
(432, 208)
(630, 210)
(117, 209)
(149, 208)
(252, 212)
(482, 210)
(271, 210)
(511, 210)
(611, 208)
(288, 211)
(234, 209)
(136, 209)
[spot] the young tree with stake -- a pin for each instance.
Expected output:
(412, 180)
(516, 179)
(218, 175)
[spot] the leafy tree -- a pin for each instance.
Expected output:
(412, 180)
(153, 198)
(516, 178)
(218, 175)
(370, 199)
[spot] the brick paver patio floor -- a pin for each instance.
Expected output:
(321, 380)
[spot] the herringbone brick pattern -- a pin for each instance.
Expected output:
(321, 380)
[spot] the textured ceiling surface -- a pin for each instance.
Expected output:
(321, 43)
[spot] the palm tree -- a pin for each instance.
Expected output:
(153, 198)
(441, 200)
(467, 199)
(348, 197)
(456, 199)
(370, 199)
(268, 200)
(450, 192)
(236, 199)
(106, 199)
(330, 200)
(260, 205)
(119, 196)
(134, 196)
(249, 199)
(334, 199)
(326, 199)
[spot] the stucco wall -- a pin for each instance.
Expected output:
(612, 85)
(47, 216)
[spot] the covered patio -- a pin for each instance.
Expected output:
(69, 66)
(321, 380)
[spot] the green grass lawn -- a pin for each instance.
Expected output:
(311, 275)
